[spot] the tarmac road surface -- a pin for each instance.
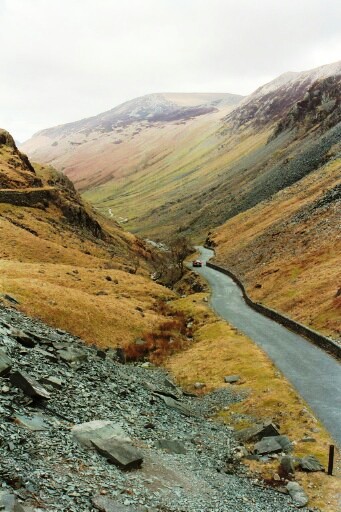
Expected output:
(315, 374)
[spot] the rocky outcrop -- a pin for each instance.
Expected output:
(321, 105)
(21, 169)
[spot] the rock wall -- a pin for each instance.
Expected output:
(30, 198)
(323, 342)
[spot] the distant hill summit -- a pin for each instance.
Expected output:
(98, 149)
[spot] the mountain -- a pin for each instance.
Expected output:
(65, 263)
(109, 146)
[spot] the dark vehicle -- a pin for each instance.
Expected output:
(197, 263)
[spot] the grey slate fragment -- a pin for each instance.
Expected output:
(106, 504)
(232, 379)
(9, 503)
(297, 494)
(5, 363)
(273, 444)
(55, 382)
(123, 454)
(49, 355)
(35, 422)
(171, 446)
(257, 432)
(268, 445)
(177, 406)
(72, 355)
(28, 385)
(23, 338)
(311, 464)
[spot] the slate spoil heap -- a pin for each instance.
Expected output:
(82, 432)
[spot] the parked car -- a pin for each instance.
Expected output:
(197, 263)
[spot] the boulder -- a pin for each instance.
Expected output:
(121, 453)
(297, 494)
(257, 432)
(273, 444)
(28, 385)
(199, 385)
(310, 464)
(5, 363)
(97, 431)
(11, 299)
(267, 445)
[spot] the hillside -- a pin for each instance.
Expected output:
(286, 250)
(116, 143)
(194, 176)
(63, 262)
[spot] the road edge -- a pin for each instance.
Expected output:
(318, 339)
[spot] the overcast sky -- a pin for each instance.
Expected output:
(63, 60)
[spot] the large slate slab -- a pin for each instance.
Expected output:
(297, 494)
(5, 363)
(97, 431)
(257, 432)
(72, 355)
(268, 445)
(121, 453)
(273, 444)
(28, 385)
(310, 464)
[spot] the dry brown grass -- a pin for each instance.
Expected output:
(75, 282)
(218, 350)
(165, 339)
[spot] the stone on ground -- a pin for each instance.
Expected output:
(28, 385)
(5, 363)
(297, 494)
(97, 431)
(123, 454)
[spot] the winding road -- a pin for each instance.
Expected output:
(314, 373)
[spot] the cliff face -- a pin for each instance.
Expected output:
(320, 107)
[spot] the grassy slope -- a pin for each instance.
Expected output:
(290, 247)
(64, 275)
